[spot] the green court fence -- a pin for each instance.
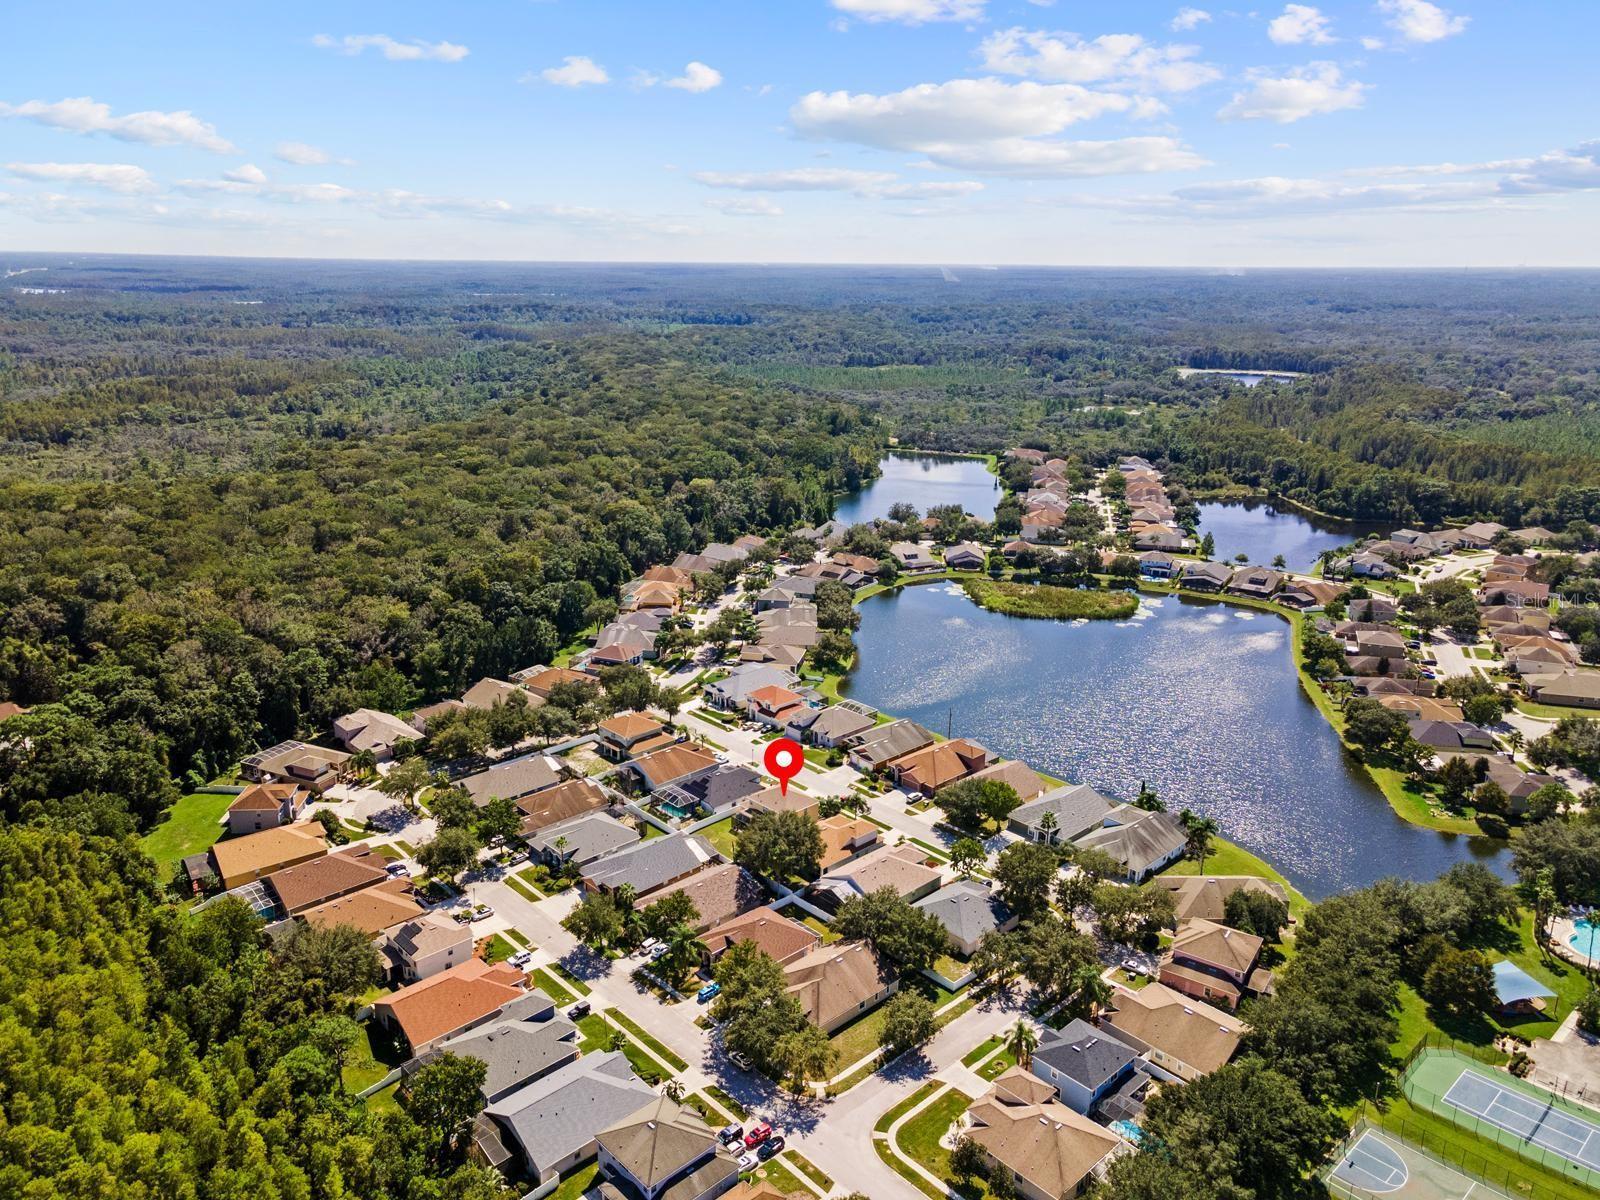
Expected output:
(1432, 1102)
(1453, 1153)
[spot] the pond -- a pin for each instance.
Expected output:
(1257, 529)
(1194, 698)
(924, 481)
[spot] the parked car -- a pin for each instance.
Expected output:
(914, 797)
(731, 1134)
(759, 1132)
(521, 958)
(708, 993)
(649, 945)
(739, 1060)
(773, 1145)
(747, 1162)
(659, 952)
(720, 756)
(398, 870)
(578, 1011)
(481, 911)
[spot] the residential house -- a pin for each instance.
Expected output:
(372, 731)
(1180, 1037)
(717, 789)
(828, 727)
(913, 558)
(1074, 809)
(1212, 962)
(845, 837)
(1258, 583)
(719, 893)
(1573, 689)
(878, 746)
(654, 594)
(621, 645)
(670, 765)
(488, 692)
(650, 864)
(327, 877)
(1310, 594)
(1143, 842)
(561, 803)
(1160, 537)
(903, 868)
(580, 840)
(1378, 610)
(1381, 644)
(9, 709)
(1157, 564)
(1205, 576)
(836, 983)
(267, 806)
(513, 779)
(1451, 735)
(731, 691)
(541, 681)
(437, 1007)
(1085, 1065)
(969, 911)
(631, 735)
(1052, 1152)
(665, 1150)
(1015, 774)
(295, 762)
(545, 1128)
(514, 1053)
(371, 910)
(775, 935)
(1364, 565)
(422, 717)
(1206, 896)
(426, 946)
(775, 800)
(856, 562)
(1517, 783)
(1517, 593)
(773, 706)
(1480, 535)
(240, 860)
(938, 765)
(788, 591)
(829, 532)
(1423, 708)
(965, 556)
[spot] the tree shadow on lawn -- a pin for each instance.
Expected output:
(584, 964)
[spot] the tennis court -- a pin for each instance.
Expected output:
(1379, 1164)
(1540, 1122)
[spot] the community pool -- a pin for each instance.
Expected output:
(1586, 938)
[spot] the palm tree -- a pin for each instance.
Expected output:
(1093, 992)
(1198, 831)
(1022, 1041)
(1047, 827)
(672, 1090)
(683, 951)
(1516, 739)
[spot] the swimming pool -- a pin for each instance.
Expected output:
(1128, 1130)
(1586, 939)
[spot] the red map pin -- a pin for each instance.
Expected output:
(783, 760)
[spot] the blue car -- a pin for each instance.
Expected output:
(710, 991)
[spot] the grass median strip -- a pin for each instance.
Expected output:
(654, 1046)
(548, 984)
(727, 1101)
(810, 1170)
(905, 1172)
(522, 889)
(906, 1105)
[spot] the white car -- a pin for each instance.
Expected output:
(748, 1161)
(521, 958)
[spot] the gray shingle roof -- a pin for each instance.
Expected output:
(1144, 839)
(1078, 808)
(1085, 1054)
(588, 837)
(561, 1113)
(512, 780)
(968, 910)
(651, 864)
(516, 1051)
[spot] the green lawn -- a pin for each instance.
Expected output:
(919, 1137)
(810, 1170)
(721, 836)
(1556, 711)
(910, 1102)
(727, 1101)
(895, 1164)
(860, 1038)
(193, 824)
(654, 1046)
(979, 1052)
(572, 981)
(522, 889)
(776, 1172)
(373, 1056)
(576, 1184)
(548, 984)
(820, 927)
(499, 949)
(1229, 858)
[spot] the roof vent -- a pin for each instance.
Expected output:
(649, 1124)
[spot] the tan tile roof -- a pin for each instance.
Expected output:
(780, 938)
(901, 867)
(1206, 896)
(257, 854)
(674, 762)
(1177, 1025)
(1048, 1145)
(324, 878)
(671, 575)
(452, 999)
(1024, 780)
(541, 683)
(630, 725)
(940, 764)
(371, 910)
(832, 981)
(774, 800)
(1209, 942)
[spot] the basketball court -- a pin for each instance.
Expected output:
(1375, 1163)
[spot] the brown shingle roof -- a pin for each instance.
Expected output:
(630, 725)
(560, 803)
(1178, 1026)
(1051, 1147)
(832, 981)
(371, 910)
(665, 766)
(322, 879)
(1208, 942)
(264, 797)
(777, 936)
(257, 854)
(719, 893)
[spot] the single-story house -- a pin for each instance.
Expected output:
(1052, 1152)
(650, 864)
(1206, 896)
(716, 789)
(488, 692)
(836, 984)
(1451, 735)
(827, 727)
(240, 860)
(1143, 842)
(1310, 594)
(968, 910)
(730, 691)
(719, 893)
(541, 681)
(1083, 1064)
(775, 800)
(878, 746)
(776, 935)
(1178, 1035)
(1160, 537)
(514, 1053)
(671, 764)
(513, 779)
(422, 717)
(267, 806)
(665, 1152)
(1574, 689)
(1074, 808)
(549, 1126)
(903, 868)
(561, 803)
(965, 556)
(374, 731)
(1257, 582)
(938, 765)
(581, 839)
(1205, 576)
(913, 557)
(1015, 774)
(440, 1006)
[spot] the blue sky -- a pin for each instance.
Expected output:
(1386, 132)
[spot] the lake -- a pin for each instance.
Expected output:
(924, 481)
(1197, 699)
(1257, 529)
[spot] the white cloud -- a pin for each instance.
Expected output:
(912, 12)
(745, 206)
(802, 179)
(989, 125)
(1304, 92)
(1114, 59)
(301, 154)
(83, 114)
(931, 190)
(1372, 43)
(112, 177)
(1300, 24)
(575, 70)
(249, 173)
(410, 50)
(1420, 21)
(1189, 18)
(1556, 171)
(696, 77)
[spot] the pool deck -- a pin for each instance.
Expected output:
(1563, 930)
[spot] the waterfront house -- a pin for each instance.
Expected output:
(1205, 576)
(1160, 537)
(1052, 1152)
(1180, 1037)
(1083, 1064)
(913, 558)
(938, 765)
(1308, 595)
(545, 1128)
(877, 746)
(649, 865)
(1074, 808)
(731, 691)
(781, 939)
(440, 1006)
(1206, 896)
(828, 727)
(1214, 963)
(1157, 564)
(1258, 583)
(772, 705)
(664, 1151)
(267, 806)
(969, 911)
(837, 983)
(1027, 783)
(1143, 842)
(965, 556)
(1451, 735)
